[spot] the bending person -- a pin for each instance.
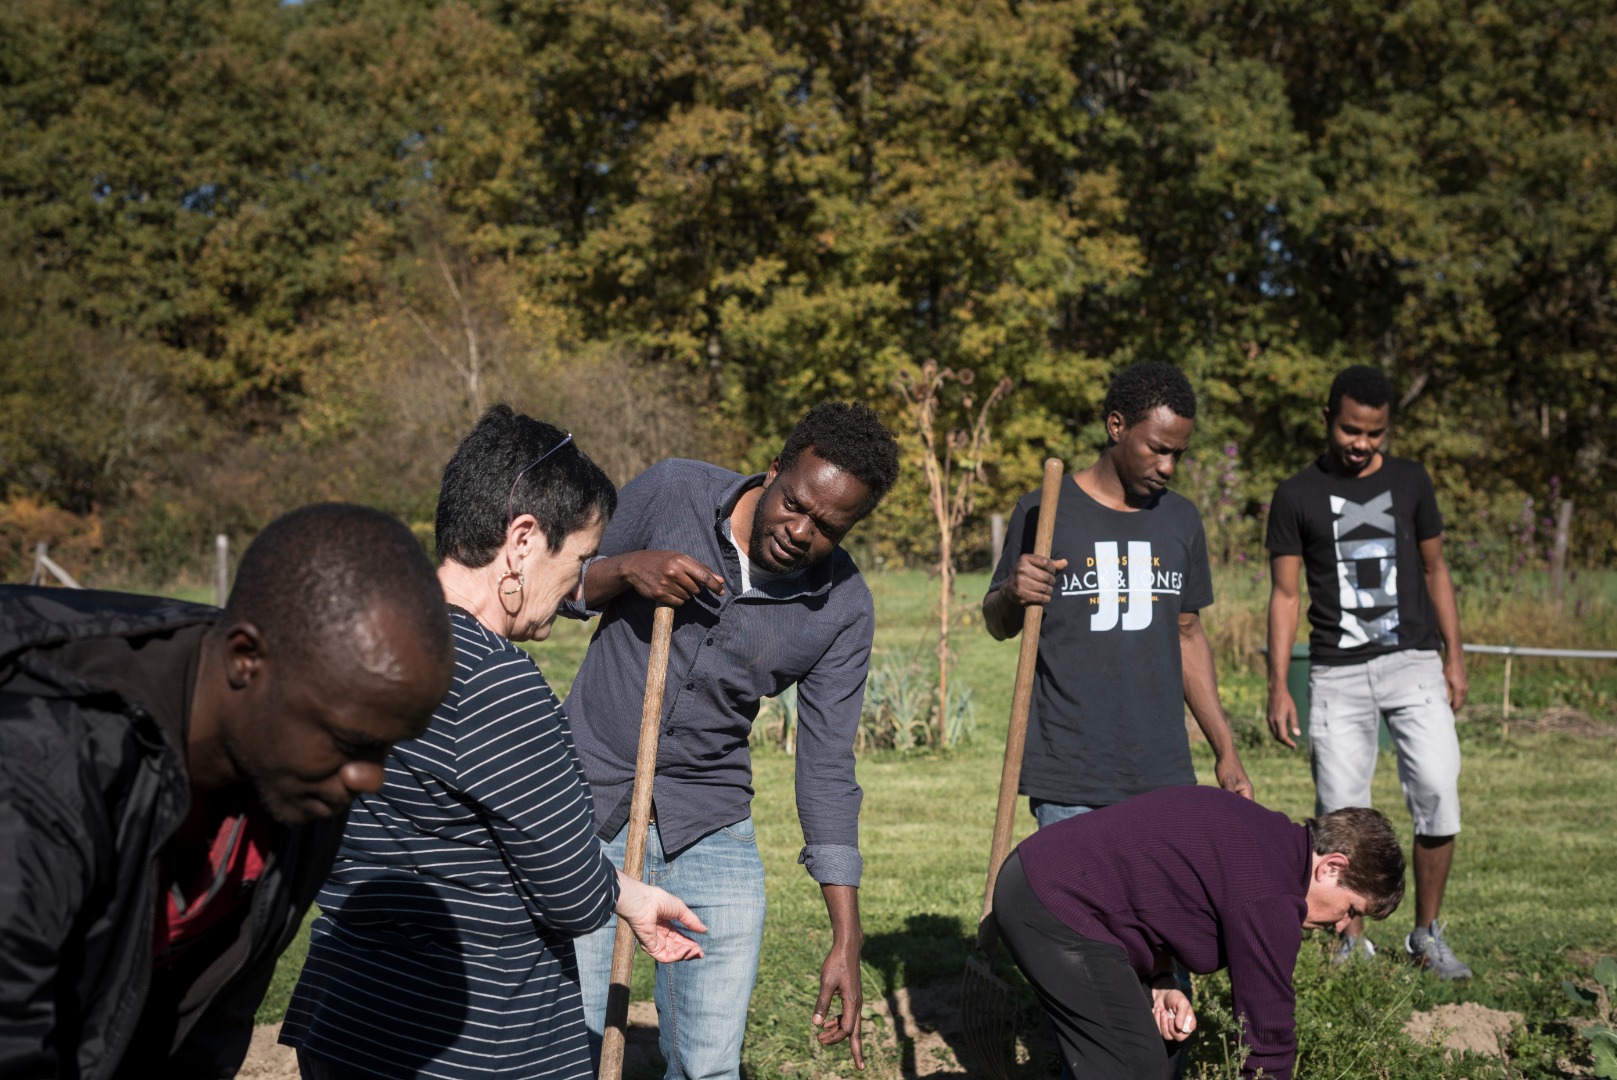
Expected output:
(1095, 910)
(173, 783)
(445, 943)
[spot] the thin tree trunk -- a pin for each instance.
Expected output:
(1563, 531)
(946, 574)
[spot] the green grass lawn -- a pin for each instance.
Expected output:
(1533, 899)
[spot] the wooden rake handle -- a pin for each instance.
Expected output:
(634, 852)
(1021, 701)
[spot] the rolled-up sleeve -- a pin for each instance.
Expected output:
(829, 700)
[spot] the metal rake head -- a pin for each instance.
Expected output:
(988, 1011)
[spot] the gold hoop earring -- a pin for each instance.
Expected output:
(521, 581)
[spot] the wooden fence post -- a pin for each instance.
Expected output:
(1506, 727)
(221, 578)
(43, 564)
(996, 534)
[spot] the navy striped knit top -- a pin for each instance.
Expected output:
(444, 947)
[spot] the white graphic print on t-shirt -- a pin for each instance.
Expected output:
(1109, 580)
(1366, 569)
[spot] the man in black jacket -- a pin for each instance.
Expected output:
(174, 781)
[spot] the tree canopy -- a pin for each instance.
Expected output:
(254, 253)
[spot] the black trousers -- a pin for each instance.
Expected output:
(1099, 1008)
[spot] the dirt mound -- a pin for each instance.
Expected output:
(1466, 1027)
(1567, 721)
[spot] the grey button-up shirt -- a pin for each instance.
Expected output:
(812, 628)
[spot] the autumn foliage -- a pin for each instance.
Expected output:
(254, 253)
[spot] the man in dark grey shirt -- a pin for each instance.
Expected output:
(766, 598)
(1123, 650)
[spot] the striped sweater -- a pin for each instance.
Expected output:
(444, 947)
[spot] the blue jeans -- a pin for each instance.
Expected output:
(1048, 813)
(701, 1004)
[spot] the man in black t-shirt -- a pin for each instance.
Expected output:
(1367, 529)
(1122, 650)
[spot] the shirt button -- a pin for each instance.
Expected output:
(690, 686)
(710, 641)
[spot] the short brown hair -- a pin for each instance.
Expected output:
(1375, 868)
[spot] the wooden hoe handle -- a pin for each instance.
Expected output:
(1021, 701)
(634, 852)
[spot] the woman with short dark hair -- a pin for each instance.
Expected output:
(445, 943)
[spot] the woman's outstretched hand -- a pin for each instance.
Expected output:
(651, 913)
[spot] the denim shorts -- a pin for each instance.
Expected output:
(1346, 702)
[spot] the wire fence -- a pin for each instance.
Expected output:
(1510, 652)
(43, 565)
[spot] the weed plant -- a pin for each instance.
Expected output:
(1349, 1024)
(1602, 1036)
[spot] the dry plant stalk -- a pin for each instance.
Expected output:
(952, 465)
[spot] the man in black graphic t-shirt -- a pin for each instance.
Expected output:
(1122, 649)
(1367, 529)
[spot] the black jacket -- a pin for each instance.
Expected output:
(92, 783)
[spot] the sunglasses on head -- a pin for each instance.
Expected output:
(510, 513)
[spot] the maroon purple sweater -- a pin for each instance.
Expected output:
(1207, 875)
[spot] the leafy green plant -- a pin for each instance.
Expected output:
(1602, 1036)
(899, 700)
(900, 710)
(777, 722)
(901, 707)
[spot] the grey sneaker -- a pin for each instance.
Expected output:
(1426, 948)
(1350, 948)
